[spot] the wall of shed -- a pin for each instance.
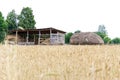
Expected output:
(46, 39)
(57, 38)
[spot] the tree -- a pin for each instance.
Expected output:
(105, 37)
(12, 20)
(26, 19)
(102, 29)
(67, 37)
(116, 41)
(102, 35)
(107, 40)
(78, 31)
(3, 28)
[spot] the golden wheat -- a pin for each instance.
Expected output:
(96, 62)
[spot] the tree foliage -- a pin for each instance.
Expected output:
(102, 29)
(78, 31)
(105, 37)
(67, 37)
(12, 20)
(26, 19)
(102, 35)
(116, 41)
(3, 28)
(107, 40)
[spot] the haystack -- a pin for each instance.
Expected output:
(11, 39)
(86, 38)
(46, 42)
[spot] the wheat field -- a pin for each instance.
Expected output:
(65, 62)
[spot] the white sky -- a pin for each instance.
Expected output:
(70, 15)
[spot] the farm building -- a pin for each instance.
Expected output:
(36, 36)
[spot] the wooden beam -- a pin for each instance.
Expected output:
(57, 37)
(34, 38)
(63, 38)
(39, 37)
(27, 37)
(50, 36)
(16, 37)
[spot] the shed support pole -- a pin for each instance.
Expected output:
(50, 36)
(39, 38)
(63, 38)
(34, 38)
(16, 37)
(57, 38)
(27, 37)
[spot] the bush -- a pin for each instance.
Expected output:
(105, 37)
(116, 41)
(67, 37)
(3, 28)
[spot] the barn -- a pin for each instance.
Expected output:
(45, 36)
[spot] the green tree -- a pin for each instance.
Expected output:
(102, 32)
(26, 19)
(107, 40)
(105, 37)
(101, 29)
(3, 28)
(78, 31)
(12, 20)
(67, 37)
(102, 35)
(116, 41)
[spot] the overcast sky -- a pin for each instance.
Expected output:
(70, 15)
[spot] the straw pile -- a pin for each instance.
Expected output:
(86, 38)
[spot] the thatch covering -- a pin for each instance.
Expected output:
(86, 38)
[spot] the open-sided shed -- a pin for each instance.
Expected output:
(38, 36)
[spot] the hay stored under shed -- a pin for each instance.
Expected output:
(86, 38)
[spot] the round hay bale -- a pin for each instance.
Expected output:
(86, 38)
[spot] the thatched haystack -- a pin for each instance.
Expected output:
(86, 38)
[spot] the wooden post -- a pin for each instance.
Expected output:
(27, 37)
(63, 35)
(16, 36)
(34, 38)
(39, 37)
(50, 36)
(57, 38)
